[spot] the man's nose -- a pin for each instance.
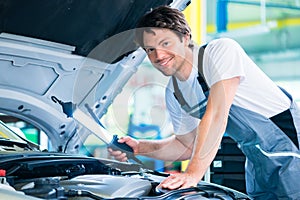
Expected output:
(159, 54)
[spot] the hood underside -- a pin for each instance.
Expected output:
(79, 23)
(73, 50)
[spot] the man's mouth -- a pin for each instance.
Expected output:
(165, 61)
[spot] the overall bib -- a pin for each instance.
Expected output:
(273, 159)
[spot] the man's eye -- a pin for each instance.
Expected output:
(149, 50)
(166, 44)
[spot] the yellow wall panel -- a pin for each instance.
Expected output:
(194, 16)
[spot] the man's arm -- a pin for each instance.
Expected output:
(168, 149)
(210, 132)
(173, 148)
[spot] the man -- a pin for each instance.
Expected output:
(237, 98)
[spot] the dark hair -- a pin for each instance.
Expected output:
(162, 17)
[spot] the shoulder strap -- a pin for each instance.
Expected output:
(200, 59)
(177, 93)
(201, 78)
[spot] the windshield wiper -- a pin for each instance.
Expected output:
(4, 142)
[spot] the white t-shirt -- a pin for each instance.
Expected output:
(224, 59)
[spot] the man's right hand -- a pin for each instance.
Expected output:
(120, 156)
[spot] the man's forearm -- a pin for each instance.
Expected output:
(212, 125)
(168, 149)
(210, 133)
(199, 163)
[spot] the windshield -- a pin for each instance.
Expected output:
(7, 133)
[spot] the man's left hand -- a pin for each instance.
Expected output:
(179, 181)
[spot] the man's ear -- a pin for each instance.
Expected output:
(186, 39)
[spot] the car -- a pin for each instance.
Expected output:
(62, 57)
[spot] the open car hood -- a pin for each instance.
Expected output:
(78, 23)
(77, 51)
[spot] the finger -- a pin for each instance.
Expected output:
(175, 184)
(171, 182)
(166, 180)
(188, 183)
(115, 153)
(120, 156)
(124, 139)
(121, 140)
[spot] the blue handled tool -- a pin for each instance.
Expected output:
(113, 144)
(96, 127)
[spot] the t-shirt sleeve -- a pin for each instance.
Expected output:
(182, 122)
(223, 59)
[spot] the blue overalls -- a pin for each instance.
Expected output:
(273, 159)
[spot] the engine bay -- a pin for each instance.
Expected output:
(44, 175)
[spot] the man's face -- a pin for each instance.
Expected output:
(165, 50)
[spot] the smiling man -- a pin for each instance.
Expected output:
(222, 95)
(167, 54)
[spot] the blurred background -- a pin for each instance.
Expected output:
(267, 29)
